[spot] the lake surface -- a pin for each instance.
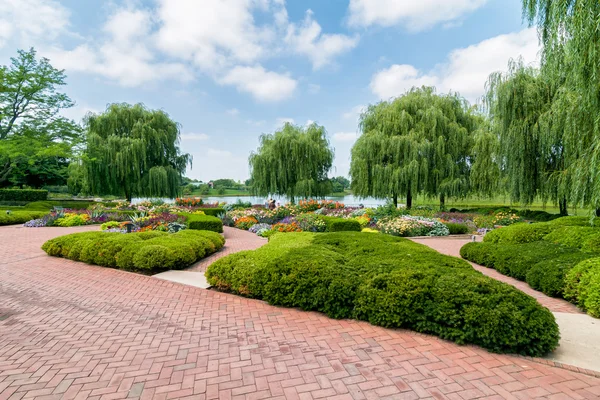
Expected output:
(349, 200)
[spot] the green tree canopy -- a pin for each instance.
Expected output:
(417, 143)
(133, 151)
(293, 162)
(571, 39)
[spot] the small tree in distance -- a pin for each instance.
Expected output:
(133, 151)
(292, 162)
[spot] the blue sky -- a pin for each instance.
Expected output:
(231, 70)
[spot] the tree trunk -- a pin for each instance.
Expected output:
(408, 200)
(597, 212)
(562, 205)
(395, 200)
(442, 202)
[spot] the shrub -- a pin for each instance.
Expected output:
(548, 276)
(129, 251)
(215, 211)
(456, 229)
(575, 221)
(204, 222)
(519, 233)
(19, 217)
(245, 223)
(537, 215)
(582, 286)
(392, 282)
(311, 223)
(23, 195)
(342, 225)
(572, 236)
(110, 225)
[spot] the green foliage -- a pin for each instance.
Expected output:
(582, 286)
(519, 233)
(133, 151)
(145, 251)
(541, 264)
(456, 228)
(292, 162)
(203, 222)
(342, 225)
(572, 236)
(110, 225)
(18, 217)
(391, 282)
(216, 211)
(418, 143)
(23, 195)
(575, 221)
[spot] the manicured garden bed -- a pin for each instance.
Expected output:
(550, 257)
(392, 282)
(146, 252)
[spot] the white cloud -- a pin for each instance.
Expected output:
(413, 15)
(194, 136)
(465, 71)
(125, 55)
(279, 122)
(321, 48)
(233, 111)
(309, 122)
(262, 84)
(354, 113)
(30, 21)
(345, 136)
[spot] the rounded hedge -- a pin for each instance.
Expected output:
(391, 282)
(573, 236)
(519, 233)
(582, 286)
(143, 251)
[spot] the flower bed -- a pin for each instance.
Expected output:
(391, 282)
(147, 252)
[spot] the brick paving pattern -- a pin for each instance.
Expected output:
(235, 240)
(451, 246)
(73, 331)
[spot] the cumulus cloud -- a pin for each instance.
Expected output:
(412, 15)
(262, 84)
(28, 22)
(465, 71)
(194, 136)
(345, 136)
(321, 48)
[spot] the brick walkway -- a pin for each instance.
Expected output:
(69, 330)
(451, 246)
(235, 240)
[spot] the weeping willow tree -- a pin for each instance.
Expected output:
(133, 151)
(293, 162)
(419, 143)
(531, 153)
(571, 48)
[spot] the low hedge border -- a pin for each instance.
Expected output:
(19, 217)
(341, 224)
(147, 252)
(392, 282)
(457, 228)
(23, 195)
(214, 212)
(203, 222)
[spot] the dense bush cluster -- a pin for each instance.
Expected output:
(10, 217)
(150, 251)
(203, 222)
(550, 257)
(341, 225)
(23, 195)
(391, 282)
(582, 286)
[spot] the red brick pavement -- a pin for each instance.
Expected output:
(451, 246)
(73, 331)
(235, 240)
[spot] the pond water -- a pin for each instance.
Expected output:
(349, 200)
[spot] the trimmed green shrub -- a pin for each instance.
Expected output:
(456, 228)
(392, 282)
(342, 225)
(519, 233)
(575, 221)
(537, 215)
(203, 222)
(582, 286)
(479, 253)
(19, 217)
(572, 236)
(129, 251)
(548, 276)
(212, 211)
(23, 195)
